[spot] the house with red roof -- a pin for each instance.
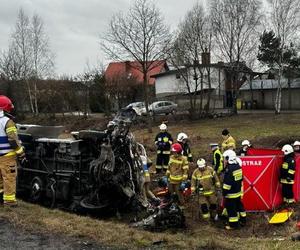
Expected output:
(126, 80)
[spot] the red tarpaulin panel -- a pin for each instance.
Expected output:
(262, 190)
(296, 187)
(263, 151)
(261, 185)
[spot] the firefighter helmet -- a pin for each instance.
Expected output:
(214, 145)
(246, 143)
(163, 126)
(181, 137)
(5, 104)
(296, 143)
(201, 163)
(176, 148)
(287, 149)
(229, 154)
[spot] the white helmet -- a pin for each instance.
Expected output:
(229, 154)
(181, 137)
(201, 163)
(246, 143)
(287, 149)
(296, 143)
(163, 126)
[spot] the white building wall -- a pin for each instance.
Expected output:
(169, 84)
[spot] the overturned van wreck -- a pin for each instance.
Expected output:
(95, 170)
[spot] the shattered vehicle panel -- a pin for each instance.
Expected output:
(95, 170)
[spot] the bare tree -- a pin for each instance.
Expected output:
(29, 57)
(139, 35)
(235, 25)
(285, 21)
(42, 58)
(193, 38)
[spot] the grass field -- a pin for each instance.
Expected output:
(261, 130)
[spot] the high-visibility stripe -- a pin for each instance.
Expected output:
(234, 195)
(166, 152)
(227, 187)
(206, 216)
(19, 151)
(190, 155)
(1, 190)
(291, 171)
(194, 177)
(193, 189)
(243, 214)
(218, 184)
(233, 219)
(176, 177)
(11, 130)
(147, 174)
(9, 197)
(284, 181)
(237, 172)
(185, 167)
(165, 166)
(224, 212)
(7, 153)
(208, 192)
(158, 166)
(165, 139)
(285, 165)
(168, 172)
(185, 176)
(176, 161)
(204, 177)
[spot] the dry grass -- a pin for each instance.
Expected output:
(261, 130)
(116, 234)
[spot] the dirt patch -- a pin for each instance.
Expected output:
(14, 237)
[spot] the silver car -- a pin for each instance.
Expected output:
(162, 107)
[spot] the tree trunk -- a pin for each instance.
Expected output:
(146, 97)
(207, 107)
(36, 98)
(289, 94)
(278, 94)
(30, 96)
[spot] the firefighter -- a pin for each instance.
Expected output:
(296, 146)
(163, 142)
(228, 141)
(287, 174)
(205, 183)
(182, 139)
(245, 146)
(217, 158)
(147, 179)
(177, 170)
(10, 150)
(232, 190)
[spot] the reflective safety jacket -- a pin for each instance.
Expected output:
(287, 171)
(232, 183)
(163, 141)
(186, 151)
(177, 169)
(207, 180)
(228, 143)
(9, 142)
(218, 161)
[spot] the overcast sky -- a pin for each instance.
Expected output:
(73, 26)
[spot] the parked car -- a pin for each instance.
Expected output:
(137, 106)
(161, 107)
